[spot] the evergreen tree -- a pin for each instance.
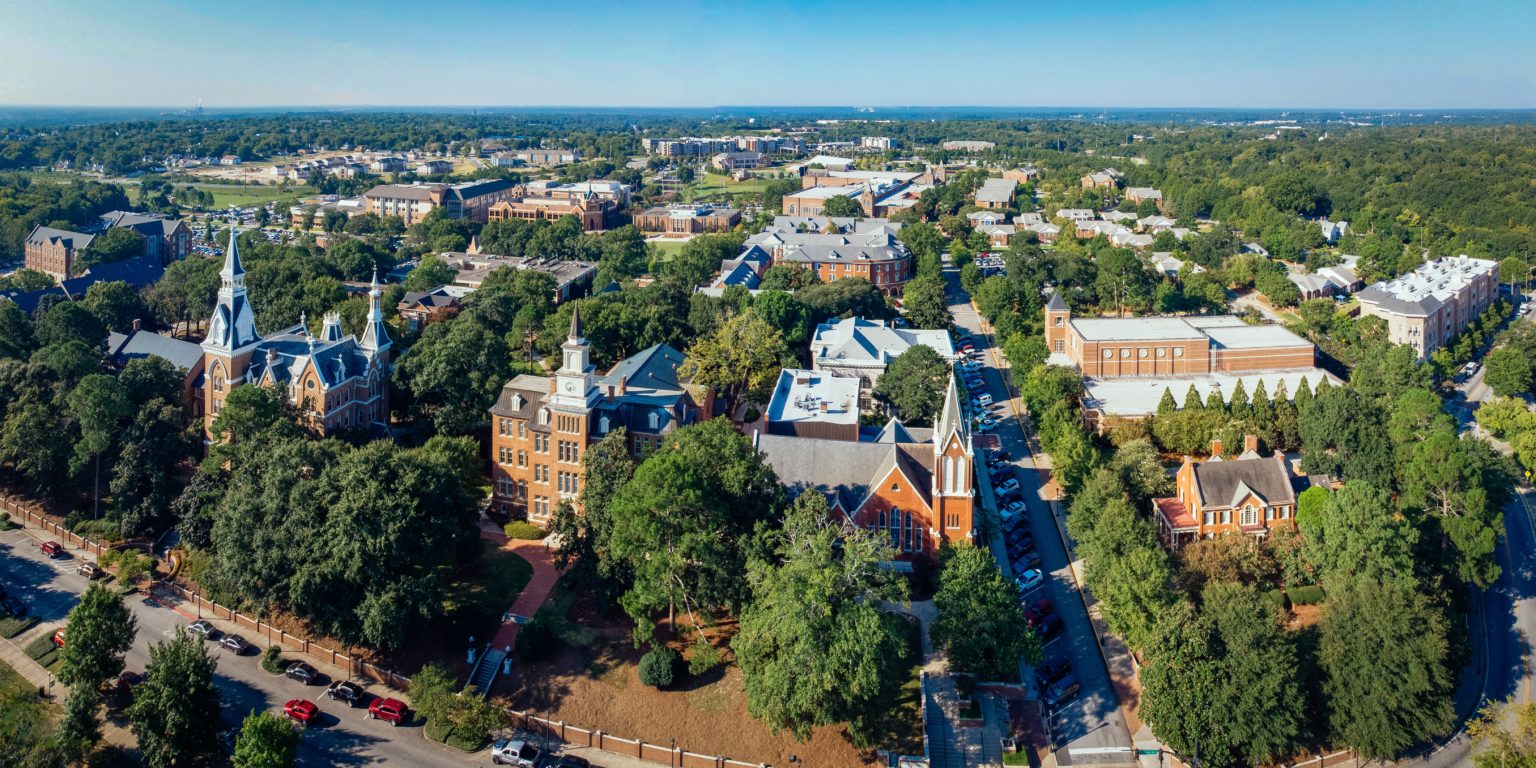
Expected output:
(1303, 397)
(1213, 401)
(1237, 404)
(1167, 405)
(1192, 400)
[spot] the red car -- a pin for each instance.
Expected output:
(392, 711)
(50, 548)
(301, 711)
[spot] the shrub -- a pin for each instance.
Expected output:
(6, 523)
(703, 657)
(518, 529)
(658, 666)
(535, 639)
(1308, 595)
(272, 659)
(13, 626)
(1274, 597)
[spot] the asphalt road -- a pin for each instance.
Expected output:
(1093, 720)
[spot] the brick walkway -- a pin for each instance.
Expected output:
(528, 602)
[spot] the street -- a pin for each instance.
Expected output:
(1093, 720)
(340, 736)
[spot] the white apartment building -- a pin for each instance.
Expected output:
(1425, 308)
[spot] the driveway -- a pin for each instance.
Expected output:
(1094, 719)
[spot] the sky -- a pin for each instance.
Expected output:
(1344, 54)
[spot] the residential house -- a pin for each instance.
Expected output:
(1248, 493)
(1332, 230)
(1139, 195)
(984, 217)
(999, 235)
(1023, 174)
(996, 193)
(422, 308)
(1105, 179)
(434, 167)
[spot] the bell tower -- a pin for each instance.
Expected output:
(1058, 316)
(575, 385)
(232, 336)
(954, 479)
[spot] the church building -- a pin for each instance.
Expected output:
(336, 382)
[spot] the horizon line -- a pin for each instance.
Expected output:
(1083, 107)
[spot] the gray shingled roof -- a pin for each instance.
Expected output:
(1219, 481)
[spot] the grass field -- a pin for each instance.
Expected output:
(225, 196)
(11, 681)
(714, 185)
(668, 248)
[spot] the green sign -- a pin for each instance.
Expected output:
(1149, 752)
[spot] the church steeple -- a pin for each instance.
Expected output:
(233, 325)
(375, 336)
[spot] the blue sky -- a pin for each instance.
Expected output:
(1155, 53)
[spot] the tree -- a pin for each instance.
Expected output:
(842, 207)
(144, 481)
(1507, 731)
(699, 259)
(680, 525)
(815, 646)
(915, 383)
(785, 313)
(1508, 372)
(979, 623)
(71, 321)
(116, 244)
(250, 410)
(1462, 485)
(851, 297)
(741, 360)
(266, 740)
(98, 405)
(1361, 536)
(429, 274)
(1386, 666)
(584, 536)
(1344, 434)
(453, 373)
(36, 443)
(925, 304)
(80, 729)
(101, 630)
(1025, 351)
(116, 304)
(175, 711)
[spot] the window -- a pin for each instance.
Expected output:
(1161, 353)
(522, 429)
(655, 420)
(1178, 351)
(1109, 353)
(1226, 517)
(544, 416)
(1125, 353)
(602, 425)
(1250, 515)
(1210, 518)
(522, 458)
(949, 475)
(1142, 353)
(1269, 513)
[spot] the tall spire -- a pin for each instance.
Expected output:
(375, 335)
(233, 324)
(232, 268)
(575, 323)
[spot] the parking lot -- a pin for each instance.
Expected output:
(1030, 546)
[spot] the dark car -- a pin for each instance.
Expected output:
(345, 691)
(1016, 535)
(234, 644)
(1025, 560)
(571, 761)
(1052, 670)
(301, 672)
(1017, 550)
(1038, 610)
(1004, 455)
(1049, 627)
(1063, 691)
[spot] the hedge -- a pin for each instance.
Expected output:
(517, 529)
(1308, 595)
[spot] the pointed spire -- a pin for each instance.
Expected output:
(575, 322)
(232, 266)
(373, 286)
(375, 335)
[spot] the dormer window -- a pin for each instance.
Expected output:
(517, 402)
(544, 416)
(602, 425)
(655, 420)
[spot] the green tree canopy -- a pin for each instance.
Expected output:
(175, 711)
(979, 623)
(266, 740)
(915, 383)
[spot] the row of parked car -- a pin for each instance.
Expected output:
(1058, 685)
(303, 711)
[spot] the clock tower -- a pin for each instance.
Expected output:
(575, 387)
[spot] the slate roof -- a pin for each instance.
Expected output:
(47, 235)
(435, 298)
(1225, 483)
(844, 471)
(855, 339)
(185, 355)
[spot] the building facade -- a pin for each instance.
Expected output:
(55, 251)
(861, 349)
(1427, 307)
(541, 426)
(687, 219)
(1249, 494)
(337, 383)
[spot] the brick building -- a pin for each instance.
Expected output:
(1425, 308)
(412, 202)
(541, 426)
(688, 219)
(915, 486)
(55, 251)
(840, 249)
(336, 382)
(1249, 493)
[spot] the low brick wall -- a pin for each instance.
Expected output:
(660, 754)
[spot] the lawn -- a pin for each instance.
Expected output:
(668, 248)
(43, 651)
(11, 681)
(715, 185)
(244, 196)
(481, 593)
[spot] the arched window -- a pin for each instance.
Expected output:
(544, 416)
(602, 425)
(655, 420)
(949, 474)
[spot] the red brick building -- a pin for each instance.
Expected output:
(1248, 493)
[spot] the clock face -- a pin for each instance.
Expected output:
(570, 386)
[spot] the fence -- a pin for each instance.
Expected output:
(639, 748)
(37, 520)
(1341, 759)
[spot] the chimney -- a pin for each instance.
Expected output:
(623, 385)
(1216, 448)
(551, 385)
(610, 393)
(825, 406)
(137, 325)
(1250, 443)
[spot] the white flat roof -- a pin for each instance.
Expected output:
(1134, 328)
(800, 394)
(827, 193)
(1140, 396)
(1254, 337)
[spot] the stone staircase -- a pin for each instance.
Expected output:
(484, 673)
